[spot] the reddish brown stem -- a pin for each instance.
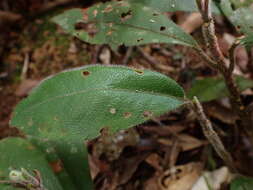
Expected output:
(218, 62)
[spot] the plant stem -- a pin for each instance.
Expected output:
(211, 135)
(217, 61)
(250, 61)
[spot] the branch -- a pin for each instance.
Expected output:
(218, 62)
(6, 16)
(231, 53)
(211, 135)
(208, 30)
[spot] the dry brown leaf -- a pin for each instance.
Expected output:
(105, 56)
(192, 22)
(215, 179)
(220, 112)
(25, 87)
(154, 160)
(186, 142)
(181, 177)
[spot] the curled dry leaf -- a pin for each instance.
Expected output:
(186, 142)
(180, 177)
(214, 179)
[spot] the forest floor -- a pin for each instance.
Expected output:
(33, 48)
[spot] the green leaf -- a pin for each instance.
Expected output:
(74, 106)
(239, 4)
(73, 172)
(17, 153)
(247, 40)
(242, 183)
(208, 89)
(173, 5)
(118, 23)
(241, 18)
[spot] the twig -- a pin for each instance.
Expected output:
(51, 5)
(218, 62)
(95, 54)
(211, 135)
(232, 56)
(25, 67)
(147, 57)
(127, 56)
(208, 30)
(6, 16)
(156, 64)
(250, 61)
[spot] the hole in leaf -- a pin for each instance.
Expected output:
(147, 114)
(86, 73)
(155, 14)
(162, 28)
(127, 115)
(112, 110)
(139, 71)
(178, 170)
(126, 15)
(139, 40)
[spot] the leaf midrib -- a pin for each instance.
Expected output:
(102, 89)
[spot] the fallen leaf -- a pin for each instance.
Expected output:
(186, 142)
(192, 22)
(213, 179)
(181, 177)
(25, 87)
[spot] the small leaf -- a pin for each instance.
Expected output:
(208, 89)
(247, 40)
(118, 23)
(75, 105)
(17, 153)
(241, 18)
(239, 4)
(242, 183)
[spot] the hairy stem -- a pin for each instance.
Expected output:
(211, 135)
(217, 61)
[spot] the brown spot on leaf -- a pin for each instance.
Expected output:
(90, 28)
(110, 24)
(30, 122)
(86, 73)
(85, 15)
(56, 166)
(109, 33)
(147, 114)
(95, 12)
(139, 71)
(56, 118)
(126, 15)
(30, 147)
(107, 9)
(127, 115)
